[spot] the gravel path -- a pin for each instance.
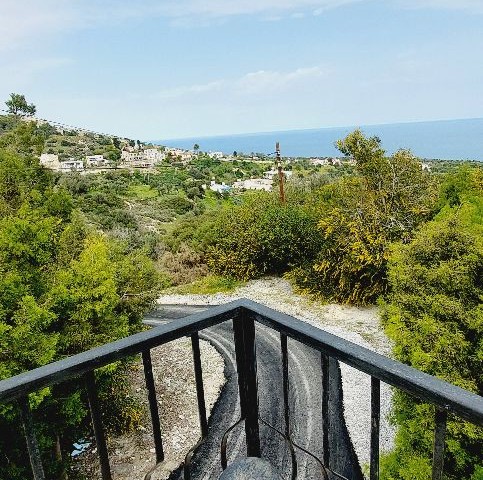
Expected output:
(356, 324)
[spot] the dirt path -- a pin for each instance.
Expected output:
(360, 325)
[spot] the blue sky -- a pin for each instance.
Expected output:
(186, 68)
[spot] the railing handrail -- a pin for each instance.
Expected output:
(76, 365)
(465, 404)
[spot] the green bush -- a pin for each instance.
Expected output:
(434, 316)
(360, 216)
(260, 236)
(64, 288)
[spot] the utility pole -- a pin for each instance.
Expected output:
(280, 173)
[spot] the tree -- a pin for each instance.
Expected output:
(435, 318)
(260, 236)
(362, 215)
(17, 105)
(64, 288)
(196, 147)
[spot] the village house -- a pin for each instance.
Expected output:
(72, 165)
(154, 155)
(184, 156)
(319, 162)
(219, 187)
(216, 155)
(272, 173)
(130, 157)
(93, 161)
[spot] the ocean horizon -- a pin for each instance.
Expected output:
(460, 139)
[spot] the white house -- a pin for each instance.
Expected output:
(95, 160)
(217, 155)
(220, 188)
(129, 157)
(154, 155)
(319, 161)
(72, 165)
(272, 173)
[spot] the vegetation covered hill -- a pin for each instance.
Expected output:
(379, 228)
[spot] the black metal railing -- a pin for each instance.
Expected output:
(447, 398)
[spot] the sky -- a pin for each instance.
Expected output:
(164, 69)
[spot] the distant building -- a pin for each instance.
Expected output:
(220, 188)
(254, 184)
(319, 161)
(184, 155)
(154, 155)
(272, 173)
(72, 165)
(425, 167)
(217, 155)
(95, 161)
(130, 157)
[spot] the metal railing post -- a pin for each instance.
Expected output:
(324, 363)
(375, 426)
(153, 405)
(31, 439)
(438, 447)
(97, 425)
(200, 392)
(244, 334)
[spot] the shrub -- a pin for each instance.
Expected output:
(183, 266)
(259, 237)
(434, 316)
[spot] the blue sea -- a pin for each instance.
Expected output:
(445, 139)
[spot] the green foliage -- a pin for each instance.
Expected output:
(25, 138)
(64, 288)
(434, 316)
(184, 265)
(260, 236)
(361, 215)
(142, 192)
(17, 105)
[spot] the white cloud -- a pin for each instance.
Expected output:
(25, 20)
(253, 83)
(270, 81)
(188, 90)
